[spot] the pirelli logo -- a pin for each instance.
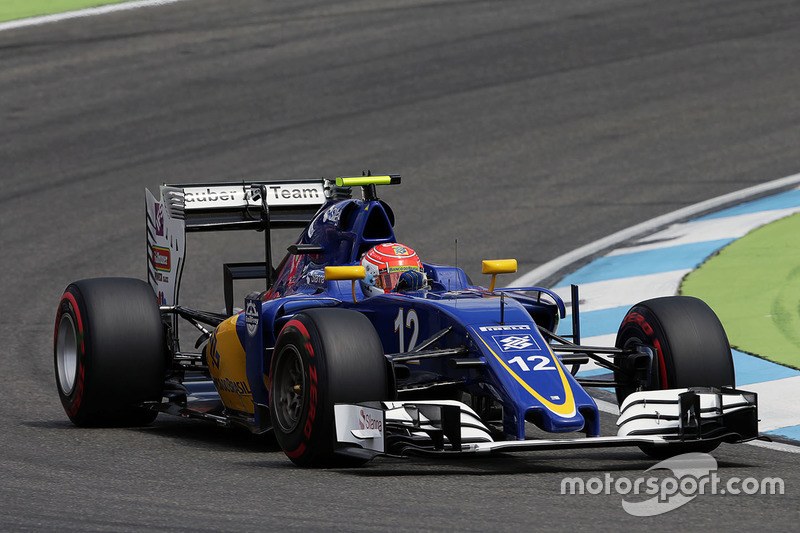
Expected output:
(506, 327)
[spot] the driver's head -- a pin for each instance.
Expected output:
(384, 264)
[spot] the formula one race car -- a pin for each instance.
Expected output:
(356, 348)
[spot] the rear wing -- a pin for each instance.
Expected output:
(251, 205)
(247, 205)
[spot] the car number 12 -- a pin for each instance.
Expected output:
(541, 365)
(412, 323)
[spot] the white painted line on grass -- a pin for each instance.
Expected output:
(579, 254)
(89, 12)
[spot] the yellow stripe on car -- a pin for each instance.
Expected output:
(567, 408)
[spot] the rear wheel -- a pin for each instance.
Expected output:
(109, 352)
(691, 350)
(322, 357)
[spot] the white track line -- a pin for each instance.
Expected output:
(559, 263)
(89, 12)
(611, 293)
(607, 407)
(732, 227)
(776, 402)
(775, 446)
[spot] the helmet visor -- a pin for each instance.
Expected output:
(388, 280)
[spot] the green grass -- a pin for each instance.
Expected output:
(17, 9)
(753, 284)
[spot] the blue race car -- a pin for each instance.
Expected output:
(355, 348)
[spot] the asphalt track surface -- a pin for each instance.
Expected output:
(522, 129)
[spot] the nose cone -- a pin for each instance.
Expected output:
(553, 423)
(537, 386)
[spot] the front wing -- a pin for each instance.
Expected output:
(657, 419)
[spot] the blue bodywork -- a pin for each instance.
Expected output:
(508, 359)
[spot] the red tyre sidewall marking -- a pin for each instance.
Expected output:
(312, 393)
(68, 301)
(641, 321)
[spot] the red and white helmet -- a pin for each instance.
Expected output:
(384, 264)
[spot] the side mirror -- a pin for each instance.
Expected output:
(337, 273)
(498, 266)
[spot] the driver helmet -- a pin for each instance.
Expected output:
(384, 264)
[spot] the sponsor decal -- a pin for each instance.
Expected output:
(159, 219)
(334, 214)
(212, 349)
(315, 277)
(510, 327)
(402, 268)
(284, 192)
(247, 195)
(161, 258)
(236, 387)
(367, 421)
(509, 343)
(251, 318)
(350, 420)
(400, 250)
(311, 415)
(533, 363)
(331, 216)
(648, 330)
(312, 404)
(161, 278)
(212, 195)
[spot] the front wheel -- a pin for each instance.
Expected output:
(109, 352)
(322, 357)
(691, 349)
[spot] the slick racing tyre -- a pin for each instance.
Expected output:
(691, 350)
(322, 357)
(109, 352)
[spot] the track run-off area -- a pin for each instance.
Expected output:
(521, 128)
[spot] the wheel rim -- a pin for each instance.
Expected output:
(67, 354)
(289, 386)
